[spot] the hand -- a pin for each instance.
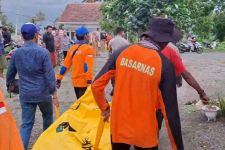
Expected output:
(205, 99)
(55, 100)
(106, 114)
(58, 84)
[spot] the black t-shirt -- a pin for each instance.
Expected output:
(48, 39)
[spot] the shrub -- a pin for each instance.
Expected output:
(222, 106)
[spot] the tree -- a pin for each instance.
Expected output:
(219, 28)
(90, 1)
(191, 16)
(9, 25)
(127, 13)
(130, 14)
(39, 17)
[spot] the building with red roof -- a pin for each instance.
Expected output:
(77, 14)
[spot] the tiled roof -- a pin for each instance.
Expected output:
(81, 12)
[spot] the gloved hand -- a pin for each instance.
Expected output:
(58, 83)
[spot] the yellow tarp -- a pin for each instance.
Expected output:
(77, 128)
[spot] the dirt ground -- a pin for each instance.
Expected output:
(198, 134)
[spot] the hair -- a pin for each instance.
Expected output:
(79, 38)
(27, 37)
(5, 29)
(49, 26)
(119, 30)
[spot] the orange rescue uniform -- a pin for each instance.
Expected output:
(144, 82)
(9, 135)
(81, 59)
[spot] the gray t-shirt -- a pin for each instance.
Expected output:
(118, 42)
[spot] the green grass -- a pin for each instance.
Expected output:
(222, 106)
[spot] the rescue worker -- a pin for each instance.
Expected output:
(9, 134)
(81, 58)
(145, 81)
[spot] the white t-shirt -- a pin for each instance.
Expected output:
(118, 42)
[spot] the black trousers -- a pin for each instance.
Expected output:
(79, 91)
(121, 146)
(159, 117)
(113, 85)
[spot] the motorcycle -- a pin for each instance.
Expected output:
(185, 47)
(207, 45)
(212, 45)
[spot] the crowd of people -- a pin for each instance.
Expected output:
(144, 77)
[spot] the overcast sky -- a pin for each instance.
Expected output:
(28, 8)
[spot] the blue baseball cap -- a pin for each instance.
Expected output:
(28, 30)
(81, 31)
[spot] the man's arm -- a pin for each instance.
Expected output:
(12, 71)
(193, 83)
(169, 105)
(49, 73)
(66, 64)
(101, 81)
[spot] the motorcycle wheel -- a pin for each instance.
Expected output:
(199, 50)
(181, 50)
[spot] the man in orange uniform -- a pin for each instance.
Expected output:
(81, 58)
(9, 134)
(145, 82)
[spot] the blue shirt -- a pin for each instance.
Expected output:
(36, 74)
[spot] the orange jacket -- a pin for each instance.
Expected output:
(144, 82)
(9, 135)
(82, 63)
